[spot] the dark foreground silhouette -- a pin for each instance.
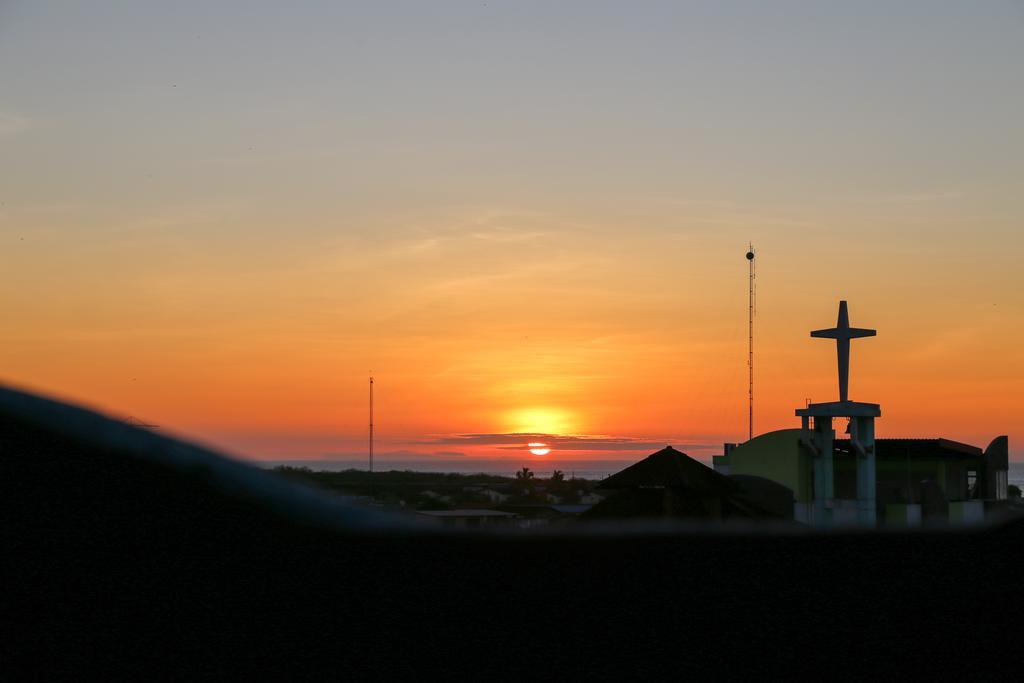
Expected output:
(135, 556)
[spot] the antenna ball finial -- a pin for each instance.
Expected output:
(750, 256)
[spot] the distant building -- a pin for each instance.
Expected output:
(918, 481)
(471, 519)
(530, 515)
(861, 480)
(571, 508)
(493, 496)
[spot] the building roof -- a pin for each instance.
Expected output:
(669, 467)
(571, 508)
(894, 449)
(466, 513)
(765, 494)
(840, 409)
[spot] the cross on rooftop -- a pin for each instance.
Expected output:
(843, 333)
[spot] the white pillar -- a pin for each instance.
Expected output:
(867, 481)
(824, 477)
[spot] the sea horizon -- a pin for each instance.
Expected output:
(585, 469)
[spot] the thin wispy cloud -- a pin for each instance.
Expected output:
(518, 440)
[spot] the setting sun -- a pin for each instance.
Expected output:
(541, 421)
(539, 448)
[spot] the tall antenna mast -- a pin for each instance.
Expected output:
(371, 423)
(750, 347)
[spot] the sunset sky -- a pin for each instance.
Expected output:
(522, 217)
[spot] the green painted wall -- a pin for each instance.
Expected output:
(776, 456)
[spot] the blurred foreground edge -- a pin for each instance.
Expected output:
(127, 553)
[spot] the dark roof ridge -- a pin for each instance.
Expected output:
(947, 444)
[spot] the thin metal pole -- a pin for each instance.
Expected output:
(371, 423)
(750, 347)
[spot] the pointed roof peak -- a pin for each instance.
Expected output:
(668, 467)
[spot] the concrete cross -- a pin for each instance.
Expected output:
(843, 333)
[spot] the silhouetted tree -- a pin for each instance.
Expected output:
(557, 486)
(1013, 491)
(524, 475)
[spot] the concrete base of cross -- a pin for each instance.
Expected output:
(819, 437)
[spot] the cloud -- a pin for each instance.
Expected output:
(562, 442)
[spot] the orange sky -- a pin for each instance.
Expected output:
(519, 219)
(513, 322)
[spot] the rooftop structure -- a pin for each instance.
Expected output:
(670, 483)
(851, 481)
(669, 467)
(819, 436)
